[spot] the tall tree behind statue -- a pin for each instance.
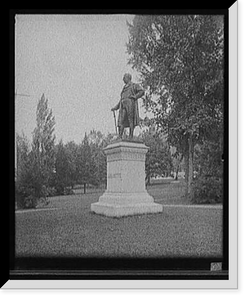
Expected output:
(37, 166)
(180, 59)
(43, 141)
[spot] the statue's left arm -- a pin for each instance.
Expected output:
(138, 92)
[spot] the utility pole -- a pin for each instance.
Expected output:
(22, 95)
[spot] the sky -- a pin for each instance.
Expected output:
(78, 62)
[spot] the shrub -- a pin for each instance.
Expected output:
(50, 191)
(26, 197)
(60, 189)
(68, 191)
(29, 196)
(207, 189)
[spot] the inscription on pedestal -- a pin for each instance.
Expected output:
(114, 175)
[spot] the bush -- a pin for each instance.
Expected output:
(28, 196)
(50, 191)
(60, 189)
(25, 197)
(207, 189)
(68, 191)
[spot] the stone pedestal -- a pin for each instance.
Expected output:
(126, 193)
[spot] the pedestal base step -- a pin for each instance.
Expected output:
(112, 210)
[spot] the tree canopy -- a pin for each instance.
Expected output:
(180, 60)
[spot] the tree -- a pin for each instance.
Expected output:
(176, 160)
(22, 152)
(62, 170)
(208, 184)
(71, 152)
(35, 166)
(158, 159)
(180, 60)
(85, 167)
(97, 143)
(29, 187)
(43, 141)
(23, 189)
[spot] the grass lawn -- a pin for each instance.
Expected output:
(67, 227)
(168, 191)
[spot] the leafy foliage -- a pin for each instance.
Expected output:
(29, 187)
(35, 167)
(207, 189)
(208, 185)
(97, 145)
(83, 163)
(180, 60)
(158, 159)
(62, 177)
(43, 141)
(85, 167)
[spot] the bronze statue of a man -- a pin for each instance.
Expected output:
(128, 106)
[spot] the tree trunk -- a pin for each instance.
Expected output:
(190, 163)
(177, 163)
(188, 157)
(177, 170)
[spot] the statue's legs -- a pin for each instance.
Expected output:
(121, 131)
(131, 130)
(126, 119)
